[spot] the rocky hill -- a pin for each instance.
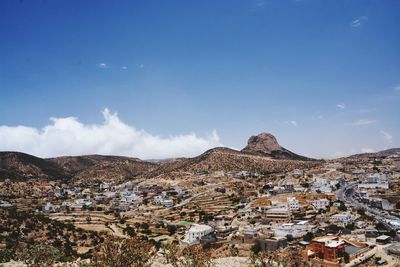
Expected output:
(265, 144)
(21, 166)
(262, 154)
(380, 154)
(226, 159)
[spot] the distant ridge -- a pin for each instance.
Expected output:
(383, 153)
(21, 166)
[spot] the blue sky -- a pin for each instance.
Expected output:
(322, 76)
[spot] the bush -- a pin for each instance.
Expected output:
(171, 229)
(116, 252)
(42, 255)
(7, 255)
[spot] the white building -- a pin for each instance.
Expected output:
(167, 203)
(297, 173)
(375, 181)
(104, 186)
(50, 207)
(80, 203)
(320, 204)
(342, 218)
(293, 229)
(292, 203)
(197, 232)
(322, 185)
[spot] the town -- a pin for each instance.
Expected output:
(338, 213)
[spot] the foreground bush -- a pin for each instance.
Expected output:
(116, 252)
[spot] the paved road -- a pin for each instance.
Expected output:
(346, 194)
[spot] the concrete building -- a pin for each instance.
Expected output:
(374, 181)
(197, 232)
(320, 204)
(327, 249)
(342, 218)
(278, 215)
(293, 203)
(295, 230)
(49, 208)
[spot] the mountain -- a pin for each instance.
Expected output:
(262, 154)
(265, 144)
(226, 159)
(21, 166)
(379, 154)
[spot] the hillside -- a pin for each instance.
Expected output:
(380, 154)
(21, 166)
(226, 159)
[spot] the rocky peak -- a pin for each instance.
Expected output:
(263, 143)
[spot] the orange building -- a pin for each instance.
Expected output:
(326, 251)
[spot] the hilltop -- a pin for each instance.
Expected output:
(265, 144)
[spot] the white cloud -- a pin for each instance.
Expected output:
(357, 22)
(69, 136)
(367, 150)
(141, 66)
(341, 106)
(387, 137)
(362, 122)
(397, 87)
(102, 66)
(124, 68)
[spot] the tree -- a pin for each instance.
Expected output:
(130, 231)
(41, 255)
(308, 237)
(116, 252)
(195, 256)
(346, 257)
(171, 254)
(171, 229)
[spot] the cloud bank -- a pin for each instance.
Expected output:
(68, 136)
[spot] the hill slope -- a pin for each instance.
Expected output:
(21, 166)
(226, 159)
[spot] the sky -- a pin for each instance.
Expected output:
(160, 79)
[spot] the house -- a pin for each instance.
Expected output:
(104, 186)
(82, 203)
(328, 249)
(342, 218)
(278, 215)
(49, 208)
(383, 239)
(295, 230)
(292, 203)
(374, 181)
(197, 232)
(297, 173)
(272, 244)
(168, 203)
(321, 204)
(5, 204)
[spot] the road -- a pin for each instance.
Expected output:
(346, 194)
